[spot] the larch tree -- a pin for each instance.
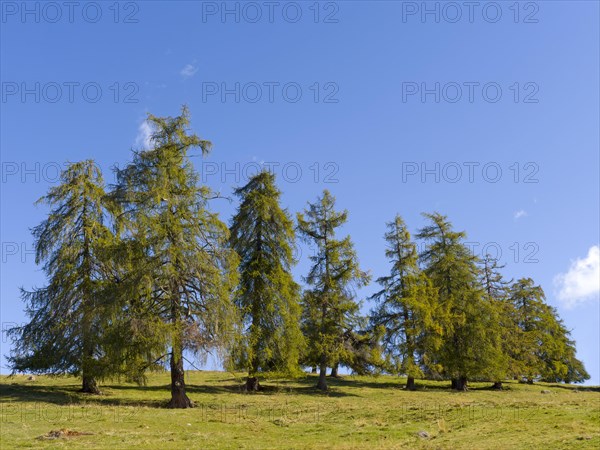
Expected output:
(66, 323)
(471, 344)
(263, 236)
(185, 270)
(329, 301)
(545, 350)
(496, 290)
(406, 307)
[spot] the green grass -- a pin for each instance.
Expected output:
(358, 412)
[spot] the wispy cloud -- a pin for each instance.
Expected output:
(143, 139)
(188, 71)
(520, 213)
(582, 281)
(152, 85)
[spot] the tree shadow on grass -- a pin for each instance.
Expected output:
(30, 392)
(569, 387)
(397, 384)
(70, 395)
(14, 392)
(509, 385)
(67, 395)
(297, 386)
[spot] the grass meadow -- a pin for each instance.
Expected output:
(357, 412)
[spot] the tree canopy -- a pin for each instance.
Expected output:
(146, 271)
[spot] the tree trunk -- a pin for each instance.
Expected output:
(334, 371)
(497, 386)
(322, 384)
(252, 384)
(529, 380)
(454, 383)
(314, 369)
(410, 381)
(178, 397)
(89, 385)
(461, 383)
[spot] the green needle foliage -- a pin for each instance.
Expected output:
(185, 271)
(361, 348)
(406, 307)
(496, 291)
(66, 321)
(544, 349)
(262, 234)
(471, 346)
(329, 303)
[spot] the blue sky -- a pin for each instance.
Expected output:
(489, 116)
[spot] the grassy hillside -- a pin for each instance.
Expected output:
(358, 412)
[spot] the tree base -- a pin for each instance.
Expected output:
(497, 386)
(461, 384)
(89, 386)
(179, 399)
(410, 384)
(322, 385)
(180, 402)
(252, 385)
(94, 391)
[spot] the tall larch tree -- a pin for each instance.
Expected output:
(496, 290)
(329, 301)
(263, 236)
(185, 271)
(471, 346)
(406, 307)
(66, 322)
(545, 350)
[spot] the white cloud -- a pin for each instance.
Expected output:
(188, 71)
(582, 281)
(143, 139)
(520, 213)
